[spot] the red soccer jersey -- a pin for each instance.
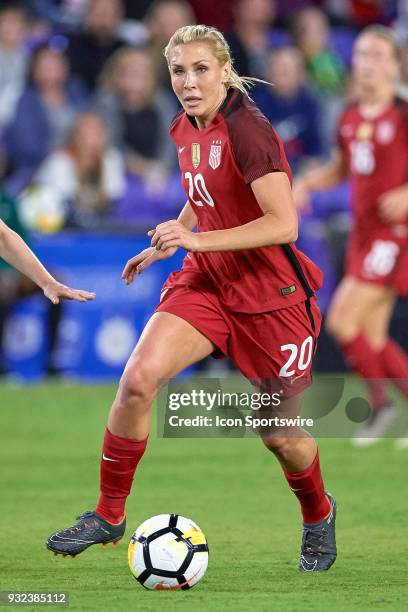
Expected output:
(217, 166)
(376, 152)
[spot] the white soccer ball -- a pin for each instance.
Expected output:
(168, 552)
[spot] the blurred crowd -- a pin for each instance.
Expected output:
(86, 101)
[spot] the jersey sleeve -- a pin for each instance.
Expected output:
(256, 146)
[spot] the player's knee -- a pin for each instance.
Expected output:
(279, 445)
(332, 323)
(341, 328)
(138, 386)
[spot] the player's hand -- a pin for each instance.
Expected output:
(56, 291)
(173, 234)
(394, 204)
(301, 196)
(143, 260)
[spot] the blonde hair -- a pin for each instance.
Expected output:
(220, 49)
(384, 33)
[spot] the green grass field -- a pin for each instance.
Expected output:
(49, 449)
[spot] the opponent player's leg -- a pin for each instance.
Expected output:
(298, 456)
(167, 346)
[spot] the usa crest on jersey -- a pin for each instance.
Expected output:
(214, 158)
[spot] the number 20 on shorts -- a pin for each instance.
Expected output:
(302, 354)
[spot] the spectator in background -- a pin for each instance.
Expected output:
(89, 49)
(137, 114)
(62, 14)
(364, 13)
(325, 69)
(311, 33)
(250, 38)
(44, 116)
(216, 13)
(13, 59)
(163, 18)
(291, 108)
(136, 10)
(286, 8)
(401, 23)
(86, 173)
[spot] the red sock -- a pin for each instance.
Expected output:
(395, 364)
(120, 457)
(363, 359)
(309, 489)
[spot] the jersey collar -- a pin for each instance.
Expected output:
(231, 101)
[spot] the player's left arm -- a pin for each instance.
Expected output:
(16, 252)
(277, 225)
(394, 204)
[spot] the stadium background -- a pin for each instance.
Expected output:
(87, 165)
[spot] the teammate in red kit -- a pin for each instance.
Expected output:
(244, 290)
(15, 251)
(373, 151)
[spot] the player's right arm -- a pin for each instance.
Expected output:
(320, 179)
(143, 260)
(15, 251)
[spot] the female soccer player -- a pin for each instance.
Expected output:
(373, 151)
(244, 291)
(14, 250)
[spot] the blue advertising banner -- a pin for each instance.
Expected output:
(94, 339)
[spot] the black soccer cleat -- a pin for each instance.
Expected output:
(318, 551)
(90, 529)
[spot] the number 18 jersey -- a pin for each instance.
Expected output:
(218, 164)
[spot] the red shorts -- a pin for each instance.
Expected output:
(382, 259)
(273, 349)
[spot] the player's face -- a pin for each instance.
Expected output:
(374, 62)
(197, 78)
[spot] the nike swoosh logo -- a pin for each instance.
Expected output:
(306, 565)
(297, 377)
(71, 540)
(108, 458)
(181, 149)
